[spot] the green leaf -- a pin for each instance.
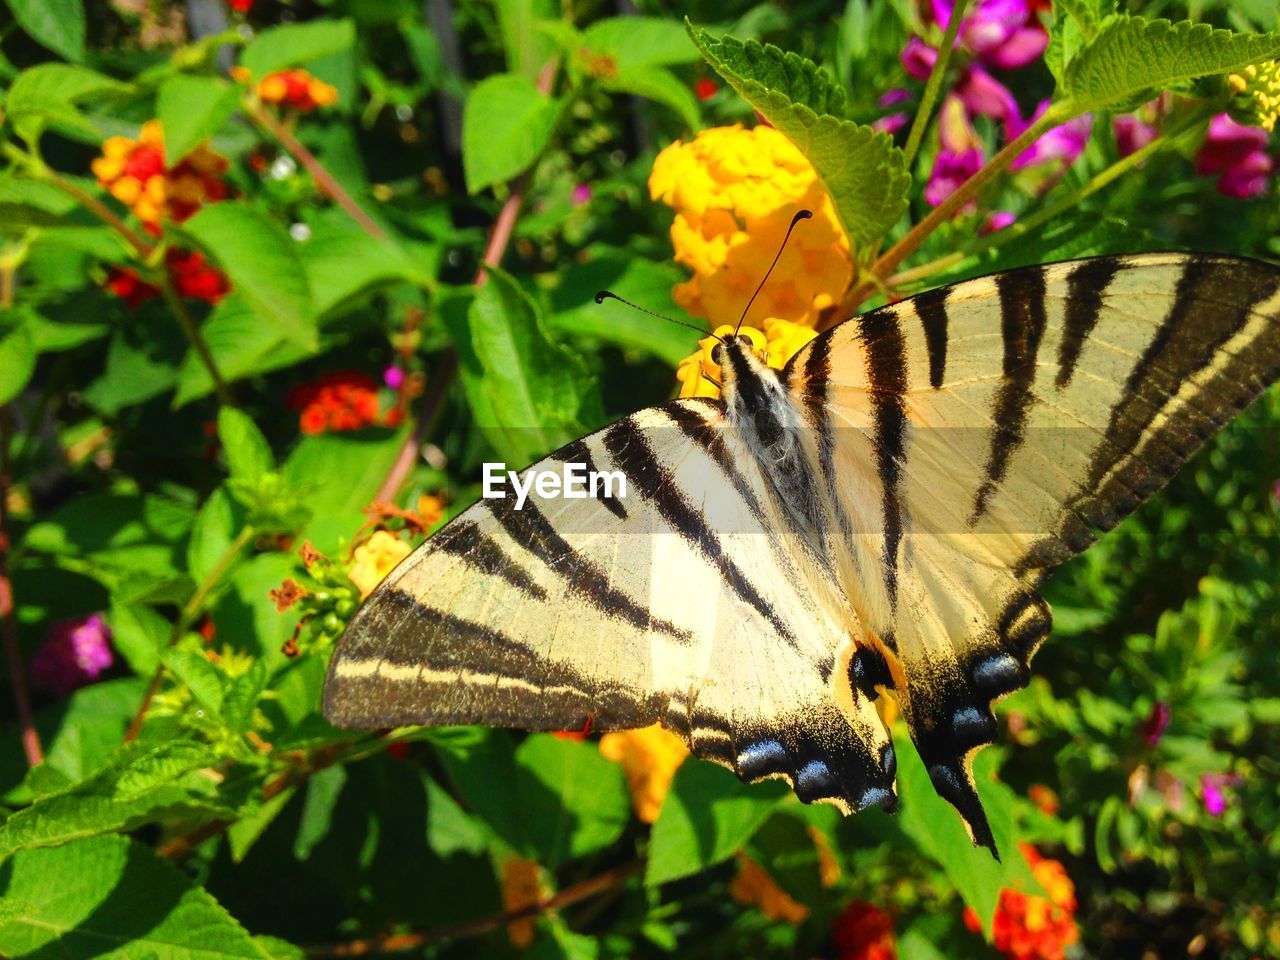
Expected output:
(139, 633)
(525, 390)
(55, 24)
(323, 790)
(263, 264)
(640, 42)
(247, 451)
(344, 264)
(109, 897)
(48, 93)
(657, 84)
(706, 817)
(193, 109)
(198, 674)
(216, 526)
(242, 346)
(17, 356)
(141, 785)
(573, 800)
(296, 43)
(862, 170)
(252, 823)
(506, 125)
(242, 695)
(1131, 55)
(938, 830)
(527, 49)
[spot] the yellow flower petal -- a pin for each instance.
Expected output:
(374, 559)
(650, 757)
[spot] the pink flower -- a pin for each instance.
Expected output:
(891, 123)
(581, 195)
(393, 377)
(894, 96)
(1132, 134)
(1238, 154)
(949, 171)
(1063, 143)
(1212, 787)
(981, 93)
(1005, 34)
(1154, 726)
(998, 220)
(75, 653)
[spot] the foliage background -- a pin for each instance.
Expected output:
(236, 822)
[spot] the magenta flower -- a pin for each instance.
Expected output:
(890, 123)
(949, 171)
(1238, 154)
(1213, 788)
(997, 220)
(581, 195)
(1132, 134)
(1157, 721)
(1004, 34)
(393, 377)
(980, 92)
(74, 654)
(1063, 143)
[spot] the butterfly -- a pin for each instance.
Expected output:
(875, 519)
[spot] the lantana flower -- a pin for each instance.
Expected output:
(754, 887)
(295, 88)
(1031, 927)
(650, 758)
(864, 931)
(374, 559)
(192, 276)
(1061, 145)
(780, 340)
(1238, 155)
(343, 400)
(136, 173)
(735, 191)
(959, 157)
(75, 653)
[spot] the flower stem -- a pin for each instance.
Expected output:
(323, 178)
(187, 616)
(196, 338)
(934, 83)
(17, 671)
(99, 210)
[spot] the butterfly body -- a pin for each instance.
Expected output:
(873, 519)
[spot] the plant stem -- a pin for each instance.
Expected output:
(1067, 201)
(889, 261)
(196, 338)
(395, 943)
(323, 178)
(100, 210)
(934, 83)
(17, 671)
(187, 616)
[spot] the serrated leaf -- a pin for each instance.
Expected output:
(1131, 55)
(246, 449)
(262, 261)
(139, 633)
(192, 109)
(109, 897)
(640, 41)
(140, 785)
(55, 24)
(48, 93)
(296, 43)
(864, 173)
(199, 676)
(526, 391)
(241, 697)
(506, 125)
(707, 816)
(659, 85)
(216, 526)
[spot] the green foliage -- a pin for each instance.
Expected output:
(371, 359)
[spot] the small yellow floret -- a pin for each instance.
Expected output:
(374, 559)
(1258, 88)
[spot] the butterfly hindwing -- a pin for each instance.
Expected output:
(683, 601)
(982, 433)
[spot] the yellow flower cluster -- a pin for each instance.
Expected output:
(1260, 85)
(137, 174)
(754, 887)
(374, 559)
(779, 342)
(735, 192)
(650, 757)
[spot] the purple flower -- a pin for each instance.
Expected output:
(997, 220)
(1238, 154)
(1212, 791)
(1005, 34)
(581, 195)
(891, 123)
(393, 377)
(75, 653)
(949, 171)
(980, 92)
(1157, 721)
(1132, 134)
(1063, 143)
(894, 96)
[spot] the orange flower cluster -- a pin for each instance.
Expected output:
(754, 887)
(192, 276)
(1029, 927)
(343, 400)
(136, 174)
(864, 932)
(291, 88)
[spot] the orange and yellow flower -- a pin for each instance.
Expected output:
(137, 174)
(290, 88)
(780, 340)
(1031, 927)
(735, 191)
(374, 559)
(650, 757)
(343, 400)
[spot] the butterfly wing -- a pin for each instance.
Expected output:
(979, 434)
(682, 601)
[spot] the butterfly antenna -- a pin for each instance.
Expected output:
(604, 295)
(800, 215)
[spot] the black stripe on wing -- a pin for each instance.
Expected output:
(1086, 290)
(464, 539)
